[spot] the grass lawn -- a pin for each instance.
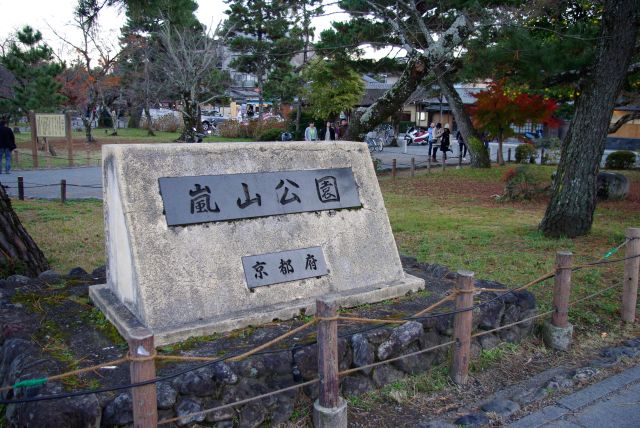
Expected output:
(90, 154)
(449, 218)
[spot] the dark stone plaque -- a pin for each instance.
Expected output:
(211, 198)
(274, 268)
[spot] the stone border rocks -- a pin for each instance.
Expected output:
(226, 382)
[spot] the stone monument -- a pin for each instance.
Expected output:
(205, 238)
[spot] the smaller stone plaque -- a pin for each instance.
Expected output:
(50, 125)
(274, 268)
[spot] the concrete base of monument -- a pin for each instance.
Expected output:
(126, 322)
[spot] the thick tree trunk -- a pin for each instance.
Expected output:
(147, 115)
(477, 151)
(18, 251)
(189, 117)
(392, 100)
(573, 201)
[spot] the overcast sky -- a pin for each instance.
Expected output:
(58, 14)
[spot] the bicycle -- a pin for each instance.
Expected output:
(374, 143)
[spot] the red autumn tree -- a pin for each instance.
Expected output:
(497, 108)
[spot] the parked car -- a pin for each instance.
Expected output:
(211, 119)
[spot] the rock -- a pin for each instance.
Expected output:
(584, 373)
(220, 415)
(78, 273)
(525, 300)
(416, 363)
(224, 424)
(345, 355)
(119, 411)
(400, 339)
(502, 408)
(488, 341)
(18, 280)
(306, 359)
(222, 374)
(384, 375)
(50, 277)
(99, 273)
(282, 411)
(444, 325)
(618, 352)
(612, 186)
(491, 315)
(186, 407)
(278, 364)
(362, 352)
(356, 385)
(246, 388)
(558, 383)
(528, 396)
(512, 313)
(198, 382)
(252, 415)
(472, 420)
(166, 395)
(77, 412)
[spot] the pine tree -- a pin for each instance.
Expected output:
(260, 34)
(32, 64)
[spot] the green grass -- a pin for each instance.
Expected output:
(90, 154)
(497, 240)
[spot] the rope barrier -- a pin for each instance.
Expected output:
(379, 363)
(209, 360)
(240, 402)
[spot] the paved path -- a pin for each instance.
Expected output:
(45, 183)
(610, 403)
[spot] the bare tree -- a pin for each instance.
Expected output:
(97, 57)
(191, 62)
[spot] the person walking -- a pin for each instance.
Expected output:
(444, 142)
(462, 146)
(311, 133)
(7, 145)
(437, 138)
(328, 133)
(430, 137)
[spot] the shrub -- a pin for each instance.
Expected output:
(621, 159)
(165, 123)
(521, 184)
(272, 134)
(404, 125)
(526, 153)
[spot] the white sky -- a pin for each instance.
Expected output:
(58, 14)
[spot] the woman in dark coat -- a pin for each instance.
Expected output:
(7, 145)
(446, 139)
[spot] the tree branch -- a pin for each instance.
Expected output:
(614, 127)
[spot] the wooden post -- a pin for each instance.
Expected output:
(16, 159)
(68, 133)
(542, 156)
(429, 164)
(562, 289)
(63, 191)
(21, 188)
(631, 266)
(393, 169)
(47, 152)
(444, 162)
(509, 155)
(328, 353)
(462, 324)
(145, 410)
(34, 138)
(413, 167)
